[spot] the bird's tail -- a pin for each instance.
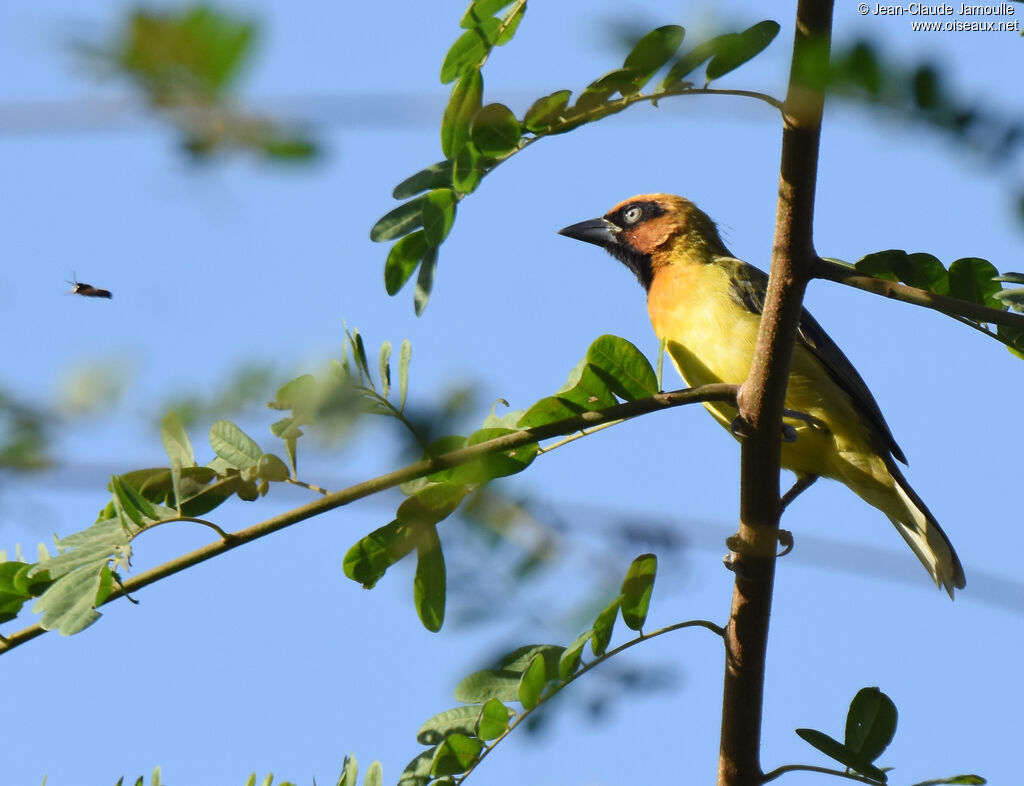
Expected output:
(923, 534)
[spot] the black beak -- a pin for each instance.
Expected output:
(599, 231)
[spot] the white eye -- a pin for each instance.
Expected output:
(632, 215)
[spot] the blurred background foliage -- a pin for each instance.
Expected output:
(186, 66)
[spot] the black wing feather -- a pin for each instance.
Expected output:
(749, 287)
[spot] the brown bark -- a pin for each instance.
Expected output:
(761, 403)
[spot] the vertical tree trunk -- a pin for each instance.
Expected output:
(761, 402)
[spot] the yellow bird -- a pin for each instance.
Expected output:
(706, 305)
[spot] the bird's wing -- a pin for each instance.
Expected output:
(749, 287)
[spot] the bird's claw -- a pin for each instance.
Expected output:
(739, 427)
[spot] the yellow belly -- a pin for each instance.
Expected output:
(711, 338)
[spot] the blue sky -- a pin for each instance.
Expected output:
(268, 659)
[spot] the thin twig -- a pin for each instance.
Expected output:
(520, 717)
(770, 776)
(305, 485)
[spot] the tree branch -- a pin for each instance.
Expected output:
(951, 306)
(761, 400)
(229, 541)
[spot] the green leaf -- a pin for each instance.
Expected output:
(973, 279)
(652, 52)
(506, 421)
(881, 264)
(549, 410)
(470, 167)
(858, 67)
(456, 753)
(298, 395)
(600, 90)
(289, 146)
(462, 719)
(870, 723)
(29, 580)
(836, 750)
(374, 775)
(429, 586)
(198, 50)
(368, 560)
(271, 468)
(90, 548)
(68, 605)
(402, 260)
(519, 659)
(492, 720)
(1012, 299)
(922, 271)
(738, 48)
(400, 221)
(532, 683)
(636, 590)
(425, 281)
(464, 102)
(589, 390)
(8, 571)
(234, 445)
(138, 508)
(545, 111)
(510, 24)
(176, 441)
(623, 368)
(437, 175)
(603, 626)
(493, 465)
(692, 59)
(359, 351)
(438, 215)
(481, 10)
(210, 497)
(431, 505)
(384, 368)
(569, 662)
(469, 50)
(956, 780)
(417, 771)
(495, 130)
(349, 771)
(404, 356)
(481, 686)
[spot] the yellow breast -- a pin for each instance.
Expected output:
(711, 338)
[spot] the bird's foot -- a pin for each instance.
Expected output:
(803, 482)
(740, 428)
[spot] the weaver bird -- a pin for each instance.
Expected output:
(706, 306)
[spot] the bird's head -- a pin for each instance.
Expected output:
(651, 231)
